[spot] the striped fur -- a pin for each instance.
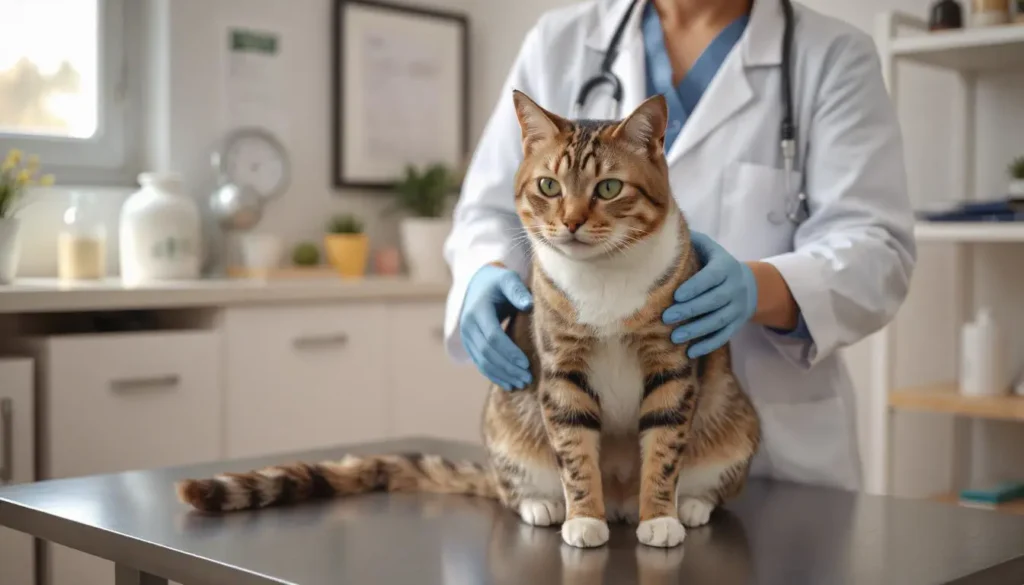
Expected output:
(619, 424)
(296, 482)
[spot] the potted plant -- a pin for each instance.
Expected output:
(1016, 172)
(16, 176)
(346, 245)
(424, 195)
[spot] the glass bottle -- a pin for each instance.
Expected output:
(82, 242)
(945, 15)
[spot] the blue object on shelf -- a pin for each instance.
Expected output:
(1000, 210)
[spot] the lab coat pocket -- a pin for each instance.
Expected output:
(755, 201)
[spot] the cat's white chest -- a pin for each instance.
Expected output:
(616, 377)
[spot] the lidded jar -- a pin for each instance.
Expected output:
(160, 232)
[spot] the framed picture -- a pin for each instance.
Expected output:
(400, 91)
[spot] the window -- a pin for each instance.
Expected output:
(62, 83)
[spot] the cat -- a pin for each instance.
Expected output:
(619, 424)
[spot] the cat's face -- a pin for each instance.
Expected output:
(590, 189)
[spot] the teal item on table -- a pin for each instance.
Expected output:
(995, 494)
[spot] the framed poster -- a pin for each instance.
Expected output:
(400, 91)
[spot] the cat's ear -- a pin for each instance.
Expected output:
(537, 124)
(644, 128)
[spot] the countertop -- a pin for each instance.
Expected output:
(31, 295)
(775, 533)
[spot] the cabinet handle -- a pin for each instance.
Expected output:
(311, 341)
(7, 436)
(154, 382)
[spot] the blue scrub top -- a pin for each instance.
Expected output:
(683, 98)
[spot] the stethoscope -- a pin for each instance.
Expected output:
(796, 207)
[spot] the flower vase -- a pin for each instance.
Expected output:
(9, 248)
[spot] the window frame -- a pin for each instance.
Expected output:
(102, 158)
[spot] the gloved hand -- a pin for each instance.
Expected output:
(722, 296)
(492, 296)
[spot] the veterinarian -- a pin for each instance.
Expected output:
(785, 155)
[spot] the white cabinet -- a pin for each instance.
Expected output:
(304, 377)
(17, 463)
(118, 402)
(431, 395)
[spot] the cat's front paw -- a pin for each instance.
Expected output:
(695, 512)
(541, 512)
(664, 531)
(585, 532)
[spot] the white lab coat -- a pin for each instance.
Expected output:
(848, 265)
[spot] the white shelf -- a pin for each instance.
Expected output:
(971, 49)
(969, 232)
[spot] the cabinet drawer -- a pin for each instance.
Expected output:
(17, 463)
(433, 396)
(305, 377)
(127, 401)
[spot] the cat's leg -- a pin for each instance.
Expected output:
(526, 475)
(705, 485)
(666, 413)
(724, 438)
(572, 419)
(530, 488)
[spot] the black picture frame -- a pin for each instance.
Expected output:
(338, 84)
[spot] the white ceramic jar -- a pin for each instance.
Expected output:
(160, 232)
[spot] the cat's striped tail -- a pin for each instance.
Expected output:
(294, 482)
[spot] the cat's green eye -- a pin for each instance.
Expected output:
(549, 187)
(609, 188)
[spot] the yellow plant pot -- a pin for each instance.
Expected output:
(348, 253)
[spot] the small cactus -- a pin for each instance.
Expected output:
(345, 223)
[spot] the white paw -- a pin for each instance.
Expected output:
(694, 512)
(664, 531)
(541, 512)
(585, 532)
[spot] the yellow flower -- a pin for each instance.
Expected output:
(46, 180)
(24, 177)
(32, 163)
(13, 158)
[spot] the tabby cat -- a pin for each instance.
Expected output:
(619, 425)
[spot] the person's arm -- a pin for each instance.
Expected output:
(854, 255)
(486, 227)
(776, 307)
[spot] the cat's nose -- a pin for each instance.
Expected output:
(573, 224)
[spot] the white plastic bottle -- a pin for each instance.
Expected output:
(160, 232)
(982, 365)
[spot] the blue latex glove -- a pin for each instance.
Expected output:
(493, 294)
(722, 296)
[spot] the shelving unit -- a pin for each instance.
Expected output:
(980, 232)
(945, 398)
(967, 53)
